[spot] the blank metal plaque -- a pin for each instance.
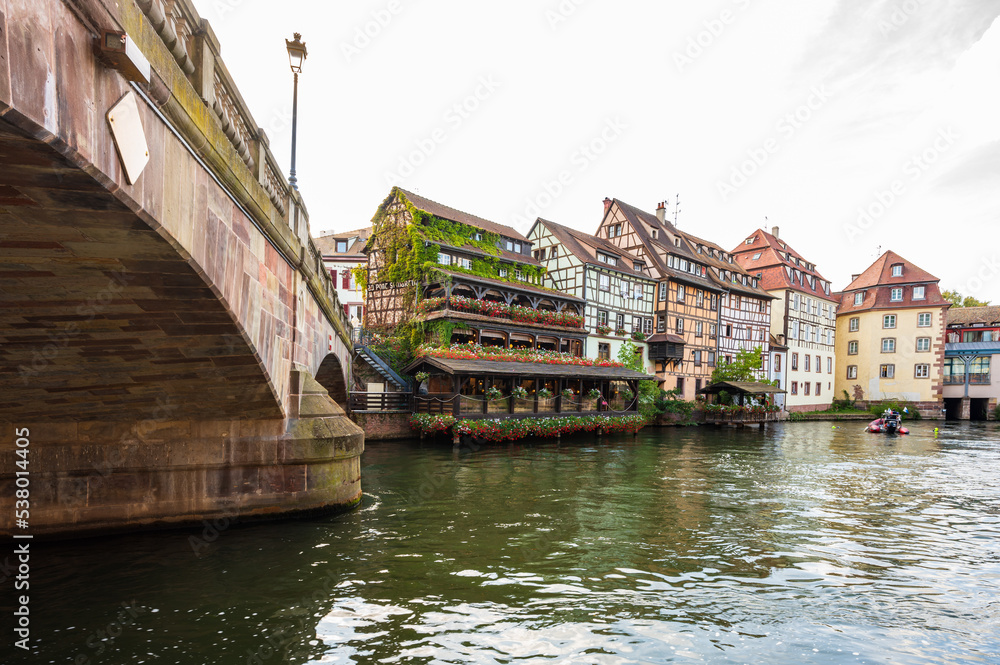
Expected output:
(130, 140)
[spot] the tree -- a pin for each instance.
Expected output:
(956, 299)
(631, 356)
(744, 367)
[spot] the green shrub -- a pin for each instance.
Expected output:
(912, 412)
(795, 416)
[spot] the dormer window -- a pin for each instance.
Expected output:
(654, 232)
(897, 270)
(341, 246)
(756, 255)
(859, 297)
(677, 242)
(605, 258)
(477, 236)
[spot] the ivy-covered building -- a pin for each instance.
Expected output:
(463, 279)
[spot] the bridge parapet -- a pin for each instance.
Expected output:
(190, 78)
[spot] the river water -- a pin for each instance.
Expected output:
(803, 543)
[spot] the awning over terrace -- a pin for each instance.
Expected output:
(741, 388)
(510, 368)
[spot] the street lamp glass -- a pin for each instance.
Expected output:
(296, 52)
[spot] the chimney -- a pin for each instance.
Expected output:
(607, 205)
(774, 231)
(661, 211)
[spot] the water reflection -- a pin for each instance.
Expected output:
(801, 544)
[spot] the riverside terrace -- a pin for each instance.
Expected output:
(477, 382)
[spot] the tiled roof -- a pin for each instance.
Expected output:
(585, 247)
(880, 273)
(482, 367)
(446, 212)
(880, 297)
(774, 267)
(665, 337)
(327, 243)
(989, 315)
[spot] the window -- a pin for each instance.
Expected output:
(701, 298)
(795, 387)
(680, 293)
(777, 362)
(918, 293)
(818, 385)
(896, 294)
(647, 326)
(679, 326)
(605, 258)
(756, 255)
(604, 351)
(698, 329)
(614, 230)
(604, 282)
(887, 371)
(924, 320)
(503, 272)
(819, 364)
(805, 332)
(795, 361)
(805, 387)
(805, 365)
(444, 259)
(921, 371)
(736, 304)
(796, 301)
(889, 321)
(637, 292)
(661, 323)
(477, 236)
(923, 344)
(623, 287)
(814, 307)
(518, 275)
(620, 322)
(553, 252)
(639, 266)
(854, 324)
(715, 302)
(697, 358)
(663, 290)
(897, 270)
(829, 365)
(859, 297)
(729, 330)
(517, 248)
(794, 332)
(680, 384)
(711, 358)
(466, 263)
(341, 246)
(888, 345)
(602, 318)
(636, 324)
(852, 371)
(711, 330)
(852, 348)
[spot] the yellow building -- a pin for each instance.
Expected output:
(891, 335)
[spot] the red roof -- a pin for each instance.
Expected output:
(877, 283)
(780, 266)
(880, 273)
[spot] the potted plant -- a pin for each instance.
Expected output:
(544, 393)
(567, 393)
(638, 336)
(493, 393)
(420, 377)
(620, 332)
(519, 392)
(593, 393)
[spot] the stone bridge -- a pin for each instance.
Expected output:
(168, 334)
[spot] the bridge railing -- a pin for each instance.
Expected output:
(195, 49)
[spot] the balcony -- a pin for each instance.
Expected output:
(974, 380)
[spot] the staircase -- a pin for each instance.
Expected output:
(376, 362)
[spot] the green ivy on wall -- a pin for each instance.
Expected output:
(411, 250)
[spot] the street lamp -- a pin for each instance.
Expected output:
(296, 56)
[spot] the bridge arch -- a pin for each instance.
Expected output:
(330, 375)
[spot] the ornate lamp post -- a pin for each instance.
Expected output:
(296, 56)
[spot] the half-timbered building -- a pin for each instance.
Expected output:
(686, 306)
(804, 316)
(619, 289)
(744, 307)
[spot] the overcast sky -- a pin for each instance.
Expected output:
(853, 125)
